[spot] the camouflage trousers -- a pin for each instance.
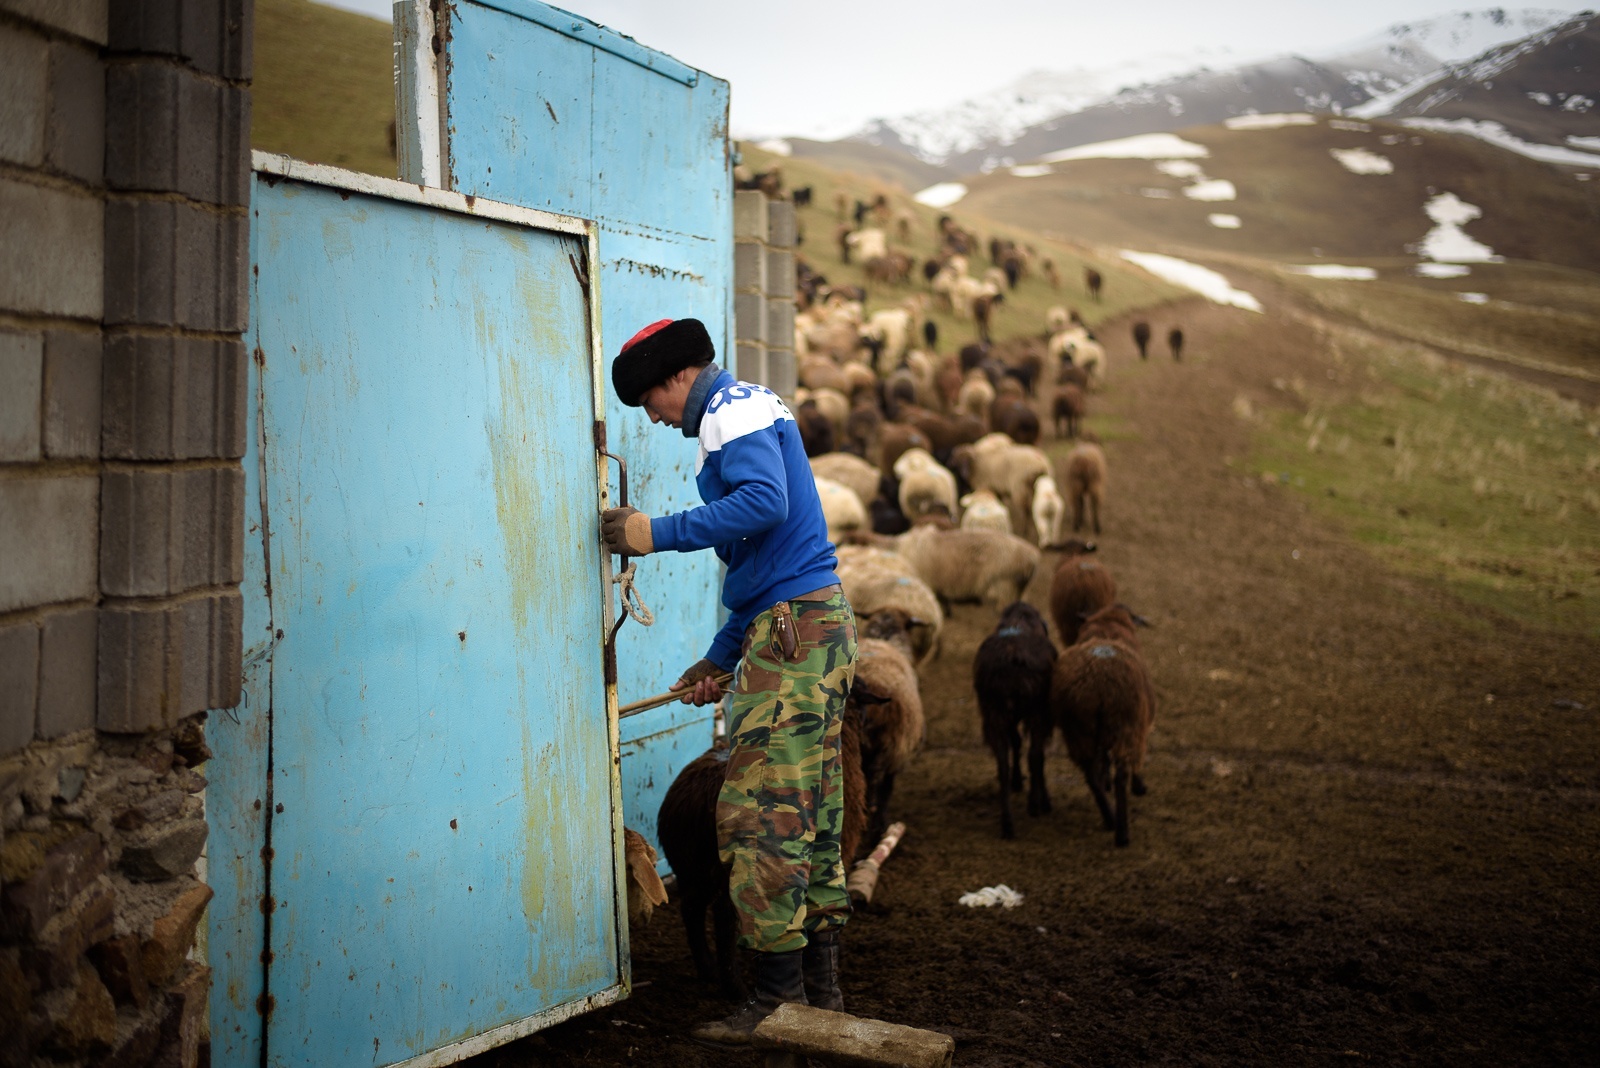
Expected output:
(782, 803)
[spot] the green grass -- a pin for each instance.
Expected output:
(1479, 482)
(324, 86)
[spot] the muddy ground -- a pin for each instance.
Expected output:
(1373, 819)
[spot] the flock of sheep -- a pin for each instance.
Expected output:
(936, 491)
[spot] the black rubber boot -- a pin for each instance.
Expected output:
(820, 964)
(779, 978)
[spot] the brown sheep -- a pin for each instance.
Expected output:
(893, 727)
(893, 440)
(1067, 409)
(1079, 588)
(1141, 338)
(816, 431)
(1175, 342)
(686, 826)
(821, 372)
(1011, 674)
(1092, 282)
(1086, 482)
(1099, 696)
(1016, 419)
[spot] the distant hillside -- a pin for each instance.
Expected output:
(871, 161)
(1294, 201)
(1543, 89)
(324, 86)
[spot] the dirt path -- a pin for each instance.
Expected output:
(1371, 833)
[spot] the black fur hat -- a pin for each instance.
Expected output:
(656, 353)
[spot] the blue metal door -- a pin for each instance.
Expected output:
(532, 105)
(435, 742)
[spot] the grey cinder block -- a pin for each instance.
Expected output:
(749, 316)
(749, 267)
(75, 140)
(780, 322)
(780, 223)
(167, 531)
(82, 18)
(780, 273)
(19, 684)
(749, 215)
(67, 672)
(56, 568)
(158, 664)
(168, 398)
(171, 264)
(750, 364)
(170, 130)
(781, 371)
(21, 396)
(24, 66)
(64, 270)
(213, 35)
(72, 394)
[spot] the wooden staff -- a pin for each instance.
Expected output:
(633, 708)
(863, 879)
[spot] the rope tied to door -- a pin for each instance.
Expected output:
(632, 603)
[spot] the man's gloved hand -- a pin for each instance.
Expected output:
(626, 531)
(701, 683)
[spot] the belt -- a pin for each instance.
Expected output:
(822, 593)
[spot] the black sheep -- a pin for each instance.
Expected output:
(1011, 674)
(1175, 340)
(1141, 338)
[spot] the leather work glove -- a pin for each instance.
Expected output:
(700, 682)
(626, 531)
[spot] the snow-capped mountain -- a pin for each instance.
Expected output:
(1048, 110)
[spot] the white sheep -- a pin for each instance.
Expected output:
(849, 470)
(831, 403)
(969, 565)
(892, 326)
(868, 243)
(1057, 319)
(976, 396)
(925, 485)
(1009, 470)
(1091, 356)
(1048, 510)
(842, 509)
(1062, 341)
(886, 581)
(982, 510)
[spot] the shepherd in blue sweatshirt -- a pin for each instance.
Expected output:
(790, 641)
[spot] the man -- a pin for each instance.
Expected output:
(790, 640)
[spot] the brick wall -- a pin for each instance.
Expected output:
(124, 184)
(763, 283)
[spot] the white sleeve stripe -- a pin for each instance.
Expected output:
(734, 415)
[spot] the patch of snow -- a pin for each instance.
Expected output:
(1384, 103)
(1473, 298)
(1156, 194)
(1540, 98)
(1442, 270)
(1346, 124)
(1225, 222)
(1334, 270)
(1202, 280)
(1211, 189)
(1496, 134)
(1269, 122)
(1581, 177)
(777, 146)
(1180, 168)
(1031, 170)
(1143, 146)
(941, 195)
(1583, 142)
(1577, 102)
(1447, 242)
(1360, 161)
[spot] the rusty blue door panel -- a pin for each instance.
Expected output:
(442, 790)
(547, 109)
(236, 796)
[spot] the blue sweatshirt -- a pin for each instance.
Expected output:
(762, 514)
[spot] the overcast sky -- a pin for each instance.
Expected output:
(823, 68)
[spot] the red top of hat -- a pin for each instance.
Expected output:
(659, 324)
